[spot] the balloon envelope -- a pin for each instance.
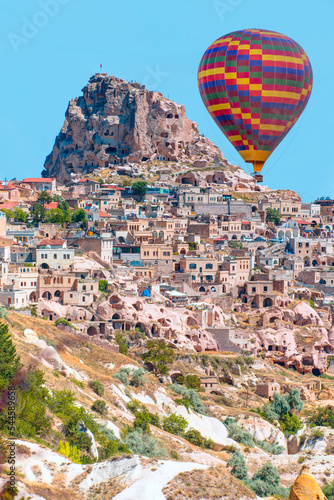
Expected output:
(255, 84)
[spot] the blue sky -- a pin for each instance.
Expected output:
(50, 48)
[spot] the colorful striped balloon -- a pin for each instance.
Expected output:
(255, 84)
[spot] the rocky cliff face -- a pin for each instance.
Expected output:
(115, 121)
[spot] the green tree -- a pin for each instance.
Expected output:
(122, 343)
(266, 480)
(9, 213)
(238, 464)
(20, 215)
(273, 215)
(139, 188)
(323, 416)
(9, 360)
(290, 423)
(55, 216)
(138, 378)
(100, 406)
(294, 400)
(190, 381)
(175, 424)
(195, 437)
(79, 215)
(328, 490)
(97, 387)
(38, 213)
(280, 405)
(31, 403)
(103, 285)
(44, 197)
(159, 356)
(143, 419)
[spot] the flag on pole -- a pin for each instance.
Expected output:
(100, 66)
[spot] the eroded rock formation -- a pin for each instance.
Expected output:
(115, 121)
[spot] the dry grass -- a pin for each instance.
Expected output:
(211, 484)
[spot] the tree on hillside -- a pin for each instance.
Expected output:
(79, 215)
(20, 215)
(139, 188)
(159, 356)
(273, 215)
(38, 213)
(44, 197)
(9, 360)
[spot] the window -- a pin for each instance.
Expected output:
(84, 288)
(265, 289)
(83, 299)
(253, 289)
(192, 266)
(91, 287)
(55, 256)
(208, 266)
(71, 295)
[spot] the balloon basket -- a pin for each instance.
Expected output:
(257, 177)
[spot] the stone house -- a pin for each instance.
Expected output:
(53, 254)
(259, 294)
(267, 389)
(202, 269)
(210, 384)
(41, 184)
(103, 246)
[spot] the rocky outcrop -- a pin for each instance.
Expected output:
(305, 487)
(115, 121)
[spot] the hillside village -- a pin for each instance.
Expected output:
(154, 236)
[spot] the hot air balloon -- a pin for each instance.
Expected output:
(255, 84)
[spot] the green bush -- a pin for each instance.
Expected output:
(3, 312)
(97, 387)
(111, 448)
(123, 375)
(266, 482)
(240, 435)
(62, 404)
(30, 408)
(272, 448)
(143, 419)
(69, 451)
(138, 378)
(190, 398)
(175, 424)
(238, 464)
(195, 437)
(103, 285)
(122, 343)
(323, 417)
(290, 424)
(190, 381)
(63, 321)
(142, 443)
(318, 433)
(328, 490)
(100, 406)
(158, 356)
